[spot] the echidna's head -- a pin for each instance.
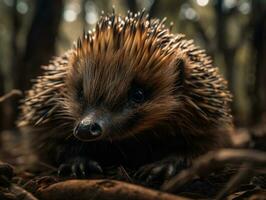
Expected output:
(131, 75)
(122, 78)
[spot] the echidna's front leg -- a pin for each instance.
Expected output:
(156, 173)
(79, 167)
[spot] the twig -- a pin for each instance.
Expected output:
(245, 172)
(101, 189)
(20, 193)
(48, 166)
(10, 94)
(212, 160)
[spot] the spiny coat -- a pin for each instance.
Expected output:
(185, 111)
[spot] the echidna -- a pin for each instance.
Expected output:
(129, 93)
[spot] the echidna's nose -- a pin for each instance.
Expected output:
(88, 130)
(95, 129)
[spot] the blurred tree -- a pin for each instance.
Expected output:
(39, 48)
(10, 106)
(132, 5)
(227, 51)
(154, 8)
(15, 56)
(40, 42)
(2, 84)
(258, 88)
(83, 13)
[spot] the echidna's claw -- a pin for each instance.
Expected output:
(79, 168)
(156, 173)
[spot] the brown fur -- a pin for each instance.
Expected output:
(187, 97)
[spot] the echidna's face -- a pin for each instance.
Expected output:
(122, 80)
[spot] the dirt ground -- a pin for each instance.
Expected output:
(233, 174)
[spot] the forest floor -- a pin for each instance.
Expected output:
(233, 174)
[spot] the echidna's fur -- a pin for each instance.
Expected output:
(187, 112)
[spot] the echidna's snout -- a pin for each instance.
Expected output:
(91, 127)
(86, 130)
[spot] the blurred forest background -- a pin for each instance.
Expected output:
(233, 32)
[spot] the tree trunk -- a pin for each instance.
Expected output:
(40, 47)
(258, 90)
(1, 105)
(228, 53)
(41, 40)
(132, 5)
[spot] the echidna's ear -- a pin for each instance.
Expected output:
(180, 70)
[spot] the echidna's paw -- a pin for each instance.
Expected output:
(156, 173)
(79, 168)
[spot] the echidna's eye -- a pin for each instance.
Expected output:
(137, 95)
